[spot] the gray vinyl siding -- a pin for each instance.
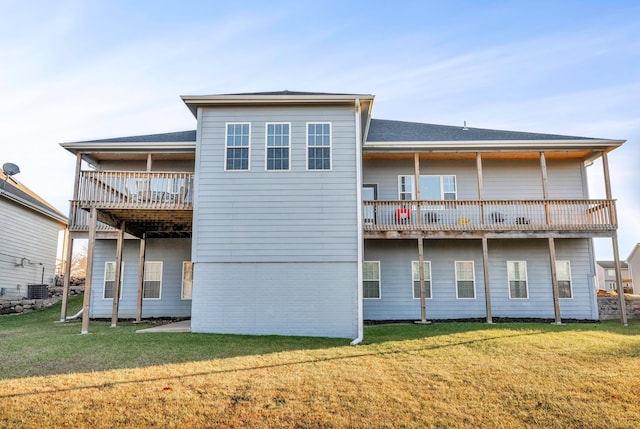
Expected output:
(276, 298)
(30, 235)
(294, 215)
(503, 180)
(171, 252)
(296, 228)
(397, 301)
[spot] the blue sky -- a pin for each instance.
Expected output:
(79, 70)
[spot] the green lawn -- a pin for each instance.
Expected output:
(440, 375)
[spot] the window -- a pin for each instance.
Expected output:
(371, 279)
(277, 152)
(187, 279)
(406, 190)
(517, 272)
(415, 276)
(431, 188)
(563, 273)
(465, 280)
(611, 273)
(237, 147)
(319, 146)
(110, 279)
(152, 283)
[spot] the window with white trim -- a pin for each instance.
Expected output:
(319, 146)
(187, 280)
(432, 187)
(277, 150)
(110, 279)
(465, 280)
(611, 273)
(563, 274)
(371, 279)
(517, 273)
(237, 146)
(152, 283)
(415, 277)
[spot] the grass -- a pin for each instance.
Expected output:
(440, 375)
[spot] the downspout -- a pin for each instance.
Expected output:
(75, 316)
(360, 238)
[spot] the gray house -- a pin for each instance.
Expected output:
(30, 231)
(606, 275)
(296, 213)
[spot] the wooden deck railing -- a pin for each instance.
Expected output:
(525, 215)
(79, 220)
(135, 190)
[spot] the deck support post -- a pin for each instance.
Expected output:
(423, 291)
(554, 281)
(69, 250)
(487, 288)
(67, 275)
(118, 279)
(614, 241)
(86, 303)
(141, 277)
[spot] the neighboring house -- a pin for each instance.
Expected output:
(295, 213)
(606, 275)
(30, 232)
(633, 260)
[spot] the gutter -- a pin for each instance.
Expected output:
(360, 239)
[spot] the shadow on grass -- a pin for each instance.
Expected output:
(350, 356)
(35, 346)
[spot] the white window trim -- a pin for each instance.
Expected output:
(418, 279)
(226, 136)
(104, 280)
(143, 280)
(330, 145)
(266, 147)
(411, 178)
(570, 280)
(379, 278)
(473, 278)
(413, 185)
(182, 285)
(526, 279)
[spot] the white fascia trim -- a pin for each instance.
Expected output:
(494, 144)
(128, 146)
(286, 98)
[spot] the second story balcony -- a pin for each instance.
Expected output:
(509, 219)
(146, 201)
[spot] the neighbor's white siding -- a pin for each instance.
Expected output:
(29, 235)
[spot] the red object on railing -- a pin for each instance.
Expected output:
(403, 215)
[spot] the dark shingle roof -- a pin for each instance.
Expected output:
(179, 136)
(287, 92)
(26, 197)
(382, 130)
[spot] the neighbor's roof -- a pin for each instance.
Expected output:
(19, 193)
(611, 264)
